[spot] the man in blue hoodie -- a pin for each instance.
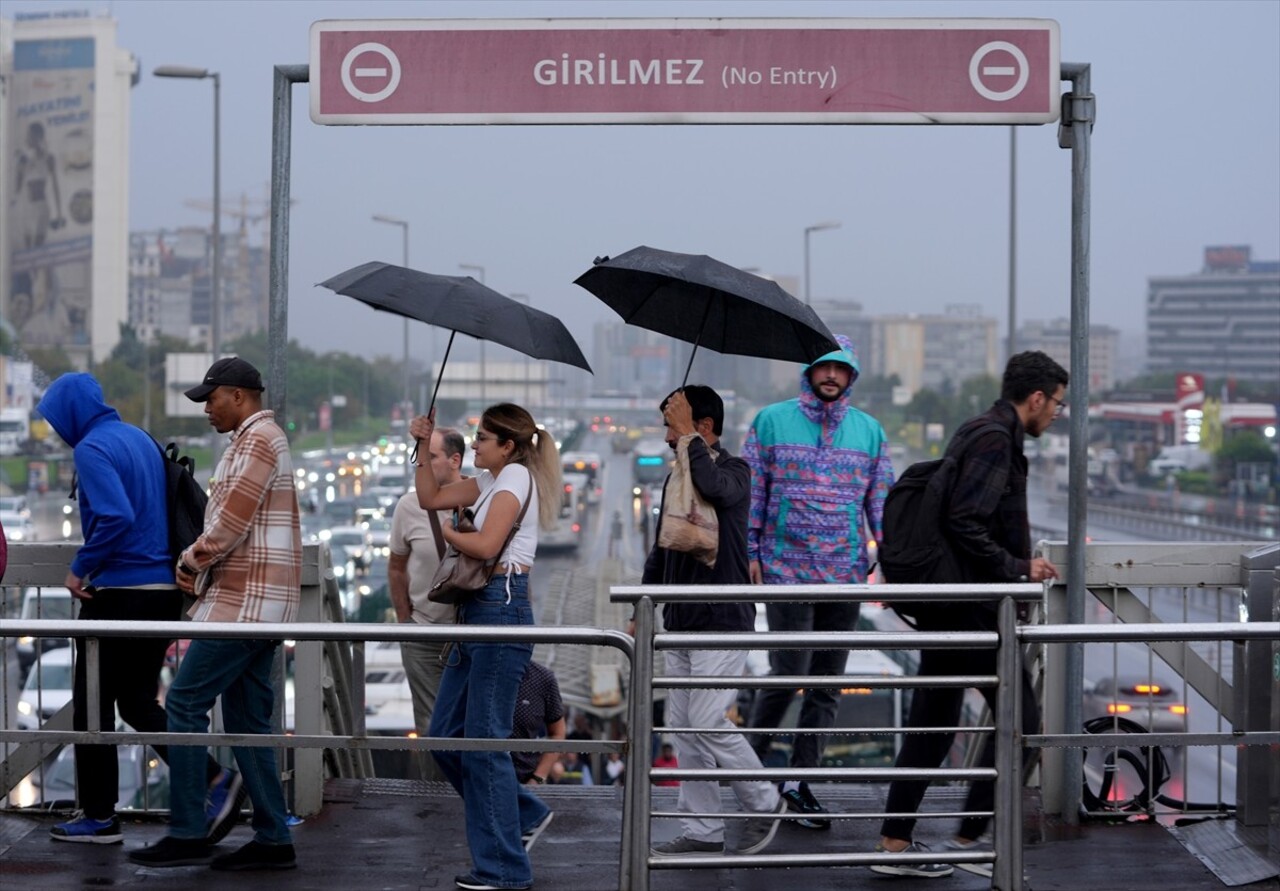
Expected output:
(820, 472)
(122, 572)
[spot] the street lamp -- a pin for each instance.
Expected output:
(215, 279)
(808, 230)
(478, 269)
(404, 231)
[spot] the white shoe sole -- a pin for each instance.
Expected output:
(536, 832)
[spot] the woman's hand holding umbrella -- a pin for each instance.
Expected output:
(421, 428)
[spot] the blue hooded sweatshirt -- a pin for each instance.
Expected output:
(820, 472)
(121, 478)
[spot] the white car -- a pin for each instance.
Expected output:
(48, 689)
(17, 526)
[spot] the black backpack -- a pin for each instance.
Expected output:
(914, 550)
(185, 498)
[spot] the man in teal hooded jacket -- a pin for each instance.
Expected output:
(820, 472)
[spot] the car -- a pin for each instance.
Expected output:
(1150, 701)
(46, 690)
(17, 526)
(43, 603)
(352, 543)
(58, 781)
(15, 503)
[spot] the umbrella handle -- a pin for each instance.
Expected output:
(688, 368)
(413, 456)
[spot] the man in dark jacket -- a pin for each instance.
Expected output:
(694, 417)
(986, 525)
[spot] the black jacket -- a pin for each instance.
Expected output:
(726, 484)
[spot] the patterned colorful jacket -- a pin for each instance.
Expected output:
(820, 473)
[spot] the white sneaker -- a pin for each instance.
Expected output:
(978, 847)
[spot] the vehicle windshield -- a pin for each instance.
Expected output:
(50, 677)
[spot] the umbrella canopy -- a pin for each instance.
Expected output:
(460, 304)
(698, 299)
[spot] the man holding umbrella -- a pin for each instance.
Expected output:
(820, 473)
(695, 414)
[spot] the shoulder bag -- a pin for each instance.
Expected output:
(459, 576)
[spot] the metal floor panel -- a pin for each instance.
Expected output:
(1235, 854)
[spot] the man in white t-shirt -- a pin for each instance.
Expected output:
(415, 555)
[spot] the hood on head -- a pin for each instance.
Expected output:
(73, 404)
(845, 355)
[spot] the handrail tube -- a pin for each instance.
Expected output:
(355, 631)
(1023, 592)
(265, 740)
(1007, 824)
(823, 774)
(755, 861)
(826, 731)
(1145, 740)
(826, 640)
(1150, 631)
(890, 681)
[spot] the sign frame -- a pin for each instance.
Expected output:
(365, 55)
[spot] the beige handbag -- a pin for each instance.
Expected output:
(689, 524)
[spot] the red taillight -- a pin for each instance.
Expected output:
(577, 528)
(1118, 708)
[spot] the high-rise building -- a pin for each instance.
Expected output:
(937, 352)
(1054, 338)
(64, 182)
(169, 285)
(1223, 322)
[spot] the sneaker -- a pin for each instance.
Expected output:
(530, 836)
(471, 883)
(978, 847)
(759, 831)
(87, 830)
(170, 851)
(802, 802)
(222, 805)
(683, 846)
(256, 855)
(920, 870)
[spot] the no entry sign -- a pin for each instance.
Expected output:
(685, 71)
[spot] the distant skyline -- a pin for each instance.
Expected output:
(1184, 155)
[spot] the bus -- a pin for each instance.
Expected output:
(587, 464)
(650, 462)
(567, 532)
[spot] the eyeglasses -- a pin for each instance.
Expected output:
(484, 437)
(1059, 404)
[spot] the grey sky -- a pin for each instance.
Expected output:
(1186, 151)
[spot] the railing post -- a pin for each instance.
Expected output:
(1007, 872)
(633, 872)
(308, 699)
(1252, 671)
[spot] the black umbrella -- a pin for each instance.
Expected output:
(698, 299)
(461, 304)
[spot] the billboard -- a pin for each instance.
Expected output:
(49, 174)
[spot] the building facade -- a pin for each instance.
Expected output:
(64, 182)
(1223, 322)
(1054, 338)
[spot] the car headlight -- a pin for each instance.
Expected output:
(26, 642)
(25, 708)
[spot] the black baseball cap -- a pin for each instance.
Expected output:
(229, 372)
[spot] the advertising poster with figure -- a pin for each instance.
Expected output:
(50, 173)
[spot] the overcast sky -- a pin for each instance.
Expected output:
(1185, 154)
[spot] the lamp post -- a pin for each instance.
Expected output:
(215, 278)
(478, 269)
(404, 231)
(809, 230)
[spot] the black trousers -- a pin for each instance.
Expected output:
(128, 680)
(940, 707)
(819, 705)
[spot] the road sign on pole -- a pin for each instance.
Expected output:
(685, 71)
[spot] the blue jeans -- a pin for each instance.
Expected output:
(239, 671)
(477, 700)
